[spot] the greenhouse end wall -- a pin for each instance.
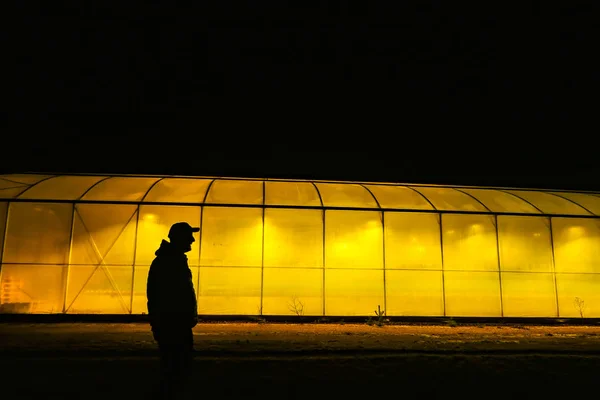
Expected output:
(89, 258)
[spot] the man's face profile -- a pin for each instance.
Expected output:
(183, 241)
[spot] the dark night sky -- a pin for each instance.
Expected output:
(423, 92)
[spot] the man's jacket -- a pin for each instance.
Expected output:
(170, 291)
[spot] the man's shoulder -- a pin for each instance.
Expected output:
(168, 263)
(157, 262)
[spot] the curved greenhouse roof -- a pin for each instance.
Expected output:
(295, 193)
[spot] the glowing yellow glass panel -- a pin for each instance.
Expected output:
(353, 292)
(229, 291)
(472, 294)
(139, 304)
(345, 195)
(3, 209)
(353, 239)
(38, 233)
(525, 244)
(11, 180)
(498, 201)
(582, 287)
(61, 188)
(450, 199)
(291, 291)
(103, 233)
(528, 295)
(412, 241)
(140, 280)
(35, 289)
(178, 190)
(13, 185)
(6, 184)
(414, 293)
(293, 238)
(588, 201)
(576, 244)
(469, 243)
(291, 194)
(399, 197)
(120, 189)
(153, 227)
(12, 192)
(224, 191)
(549, 203)
(105, 289)
(232, 237)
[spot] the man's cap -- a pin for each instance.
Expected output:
(182, 228)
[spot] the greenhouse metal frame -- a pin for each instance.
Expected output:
(82, 244)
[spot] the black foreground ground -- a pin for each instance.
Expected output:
(288, 361)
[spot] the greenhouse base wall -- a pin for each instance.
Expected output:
(120, 318)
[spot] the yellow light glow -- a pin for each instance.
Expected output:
(583, 287)
(293, 291)
(353, 291)
(289, 261)
(228, 291)
(232, 237)
(149, 217)
(293, 238)
(576, 230)
(522, 251)
(576, 245)
(414, 293)
(348, 244)
(412, 241)
(528, 295)
(372, 224)
(466, 250)
(108, 289)
(471, 293)
(37, 238)
(476, 228)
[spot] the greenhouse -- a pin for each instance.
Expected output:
(83, 244)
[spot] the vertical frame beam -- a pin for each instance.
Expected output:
(200, 234)
(381, 216)
(442, 259)
(323, 239)
(323, 247)
(135, 242)
(262, 250)
(3, 245)
(137, 223)
(67, 273)
(383, 254)
(199, 256)
(553, 265)
(498, 262)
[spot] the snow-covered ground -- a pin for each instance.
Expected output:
(136, 338)
(309, 361)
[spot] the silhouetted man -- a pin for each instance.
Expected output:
(172, 307)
